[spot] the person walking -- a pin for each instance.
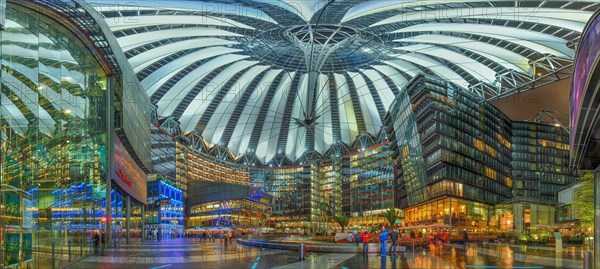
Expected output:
(365, 237)
(96, 241)
(465, 238)
(394, 236)
(103, 241)
(383, 236)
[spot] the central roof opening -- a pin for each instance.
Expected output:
(320, 34)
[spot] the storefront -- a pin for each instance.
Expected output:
(219, 204)
(458, 213)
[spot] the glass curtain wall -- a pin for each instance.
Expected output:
(292, 187)
(368, 185)
(53, 141)
(540, 160)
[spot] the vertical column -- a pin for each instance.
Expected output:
(110, 145)
(519, 217)
(159, 216)
(143, 223)
(128, 220)
(119, 225)
(2, 202)
(597, 217)
(450, 216)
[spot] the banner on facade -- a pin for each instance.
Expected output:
(128, 175)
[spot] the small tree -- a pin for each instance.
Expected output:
(583, 202)
(390, 215)
(342, 221)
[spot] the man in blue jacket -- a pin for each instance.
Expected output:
(383, 236)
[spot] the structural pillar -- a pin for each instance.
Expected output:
(110, 162)
(128, 219)
(597, 218)
(519, 217)
(143, 229)
(160, 231)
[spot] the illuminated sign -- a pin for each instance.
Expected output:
(259, 196)
(254, 194)
(127, 174)
(124, 177)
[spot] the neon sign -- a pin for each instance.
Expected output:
(124, 177)
(255, 195)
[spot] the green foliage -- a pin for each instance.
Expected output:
(342, 221)
(583, 203)
(391, 215)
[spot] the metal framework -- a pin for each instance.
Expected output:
(338, 67)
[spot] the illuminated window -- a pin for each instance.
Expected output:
(503, 141)
(405, 151)
(490, 173)
(479, 144)
(491, 151)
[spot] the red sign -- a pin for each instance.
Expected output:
(124, 177)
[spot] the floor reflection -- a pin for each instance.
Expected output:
(193, 253)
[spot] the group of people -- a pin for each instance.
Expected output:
(365, 238)
(211, 235)
(97, 239)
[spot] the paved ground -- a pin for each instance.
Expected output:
(192, 253)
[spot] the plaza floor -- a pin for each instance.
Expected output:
(193, 253)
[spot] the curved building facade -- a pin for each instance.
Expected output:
(585, 100)
(64, 169)
(453, 146)
(585, 119)
(119, 118)
(227, 205)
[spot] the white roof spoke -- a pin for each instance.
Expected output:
(361, 53)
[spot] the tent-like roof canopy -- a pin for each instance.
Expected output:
(272, 78)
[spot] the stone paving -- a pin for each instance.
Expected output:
(194, 253)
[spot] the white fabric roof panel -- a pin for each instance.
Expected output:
(174, 45)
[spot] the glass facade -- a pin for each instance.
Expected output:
(181, 174)
(450, 143)
(203, 167)
(292, 188)
(53, 133)
(368, 186)
(450, 211)
(71, 125)
(164, 214)
(330, 177)
(164, 156)
(56, 138)
(522, 214)
(540, 160)
(242, 213)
